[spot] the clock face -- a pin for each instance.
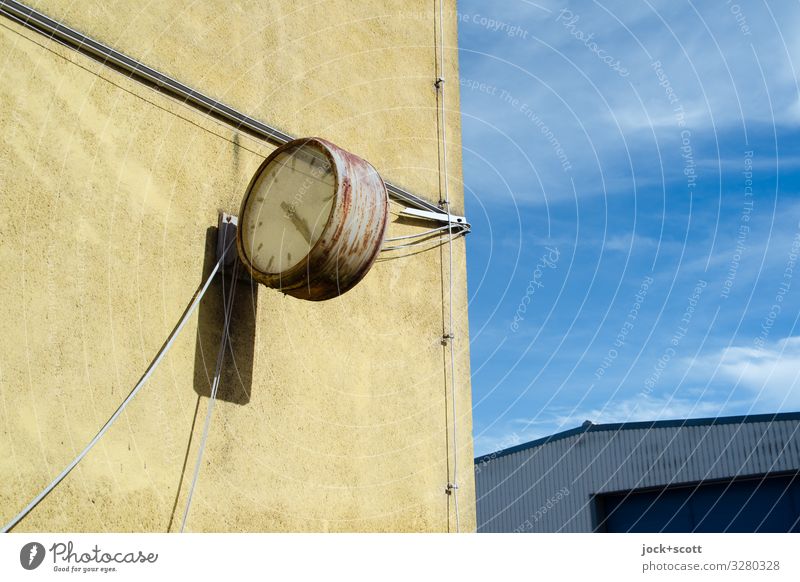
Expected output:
(288, 208)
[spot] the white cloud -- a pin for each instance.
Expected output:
(771, 373)
(626, 243)
(552, 86)
(635, 409)
(485, 444)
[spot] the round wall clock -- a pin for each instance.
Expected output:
(312, 220)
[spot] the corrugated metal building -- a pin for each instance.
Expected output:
(739, 473)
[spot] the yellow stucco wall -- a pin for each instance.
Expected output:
(336, 416)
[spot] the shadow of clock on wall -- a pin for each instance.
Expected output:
(237, 371)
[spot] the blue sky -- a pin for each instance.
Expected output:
(631, 173)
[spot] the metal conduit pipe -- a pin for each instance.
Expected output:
(38, 22)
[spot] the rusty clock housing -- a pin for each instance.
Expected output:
(341, 244)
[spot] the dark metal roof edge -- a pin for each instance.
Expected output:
(647, 424)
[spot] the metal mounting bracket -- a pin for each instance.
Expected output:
(226, 239)
(226, 244)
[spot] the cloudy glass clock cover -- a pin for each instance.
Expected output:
(287, 209)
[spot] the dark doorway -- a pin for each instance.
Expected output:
(758, 503)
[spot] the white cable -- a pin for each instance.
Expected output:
(228, 308)
(417, 235)
(107, 425)
(451, 339)
(436, 243)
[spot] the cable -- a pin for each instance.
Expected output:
(452, 487)
(420, 243)
(214, 386)
(162, 352)
(417, 235)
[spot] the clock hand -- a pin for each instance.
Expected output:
(300, 224)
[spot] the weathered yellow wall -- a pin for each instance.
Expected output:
(108, 194)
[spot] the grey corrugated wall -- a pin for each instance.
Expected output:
(550, 485)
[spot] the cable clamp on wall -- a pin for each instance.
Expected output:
(439, 82)
(450, 489)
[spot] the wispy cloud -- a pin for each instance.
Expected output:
(771, 373)
(554, 87)
(628, 242)
(657, 183)
(639, 408)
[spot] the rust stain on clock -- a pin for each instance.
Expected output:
(353, 234)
